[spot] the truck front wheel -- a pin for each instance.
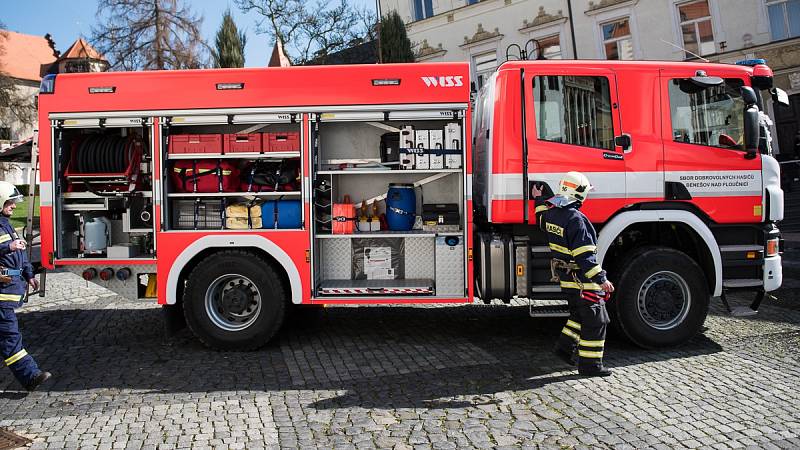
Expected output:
(661, 298)
(234, 301)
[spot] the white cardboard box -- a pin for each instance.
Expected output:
(452, 141)
(436, 139)
(407, 140)
(422, 160)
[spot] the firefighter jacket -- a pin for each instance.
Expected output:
(573, 240)
(16, 264)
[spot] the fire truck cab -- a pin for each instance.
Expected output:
(686, 193)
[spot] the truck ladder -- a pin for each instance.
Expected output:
(32, 195)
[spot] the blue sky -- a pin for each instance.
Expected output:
(66, 20)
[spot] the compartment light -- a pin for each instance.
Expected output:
(102, 89)
(386, 82)
(229, 86)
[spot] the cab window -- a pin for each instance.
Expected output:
(574, 110)
(711, 116)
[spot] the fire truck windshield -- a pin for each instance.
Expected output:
(713, 116)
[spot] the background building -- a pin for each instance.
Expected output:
(24, 59)
(718, 30)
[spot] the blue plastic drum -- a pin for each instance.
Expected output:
(401, 205)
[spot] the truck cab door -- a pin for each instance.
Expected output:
(572, 124)
(705, 162)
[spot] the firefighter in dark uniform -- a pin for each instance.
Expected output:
(573, 244)
(16, 274)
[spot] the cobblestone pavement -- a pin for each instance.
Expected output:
(402, 377)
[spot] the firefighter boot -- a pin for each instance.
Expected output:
(566, 347)
(37, 381)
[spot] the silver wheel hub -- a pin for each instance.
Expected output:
(233, 302)
(664, 300)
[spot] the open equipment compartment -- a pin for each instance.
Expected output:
(389, 203)
(103, 190)
(232, 171)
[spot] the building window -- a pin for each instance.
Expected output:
(550, 46)
(784, 18)
(5, 134)
(698, 34)
(713, 116)
(423, 9)
(485, 64)
(617, 39)
(472, 2)
(574, 110)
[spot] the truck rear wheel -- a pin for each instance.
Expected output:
(661, 298)
(234, 301)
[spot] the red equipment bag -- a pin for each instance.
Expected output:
(205, 175)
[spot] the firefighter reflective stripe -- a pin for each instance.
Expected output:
(588, 354)
(16, 357)
(592, 343)
(10, 297)
(5, 238)
(570, 333)
(593, 271)
(583, 249)
(541, 208)
(574, 325)
(560, 249)
(582, 286)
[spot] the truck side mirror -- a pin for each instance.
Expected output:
(748, 96)
(751, 131)
(779, 96)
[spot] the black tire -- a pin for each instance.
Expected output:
(212, 312)
(661, 298)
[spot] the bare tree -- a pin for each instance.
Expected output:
(149, 35)
(309, 30)
(13, 106)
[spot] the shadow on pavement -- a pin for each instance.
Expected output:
(383, 357)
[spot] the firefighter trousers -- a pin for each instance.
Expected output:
(17, 359)
(585, 331)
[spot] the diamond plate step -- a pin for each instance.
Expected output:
(548, 309)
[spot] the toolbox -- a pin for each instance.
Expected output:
(288, 141)
(242, 143)
(440, 214)
(195, 143)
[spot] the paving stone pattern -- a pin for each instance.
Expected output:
(396, 377)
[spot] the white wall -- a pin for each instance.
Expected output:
(736, 22)
(19, 131)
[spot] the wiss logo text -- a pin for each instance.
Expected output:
(447, 81)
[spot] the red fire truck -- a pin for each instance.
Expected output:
(233, 196)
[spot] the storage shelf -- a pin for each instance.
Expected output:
(375, 172)
(268, 155)
(388, 234)
(83, 195)
(233, 194)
